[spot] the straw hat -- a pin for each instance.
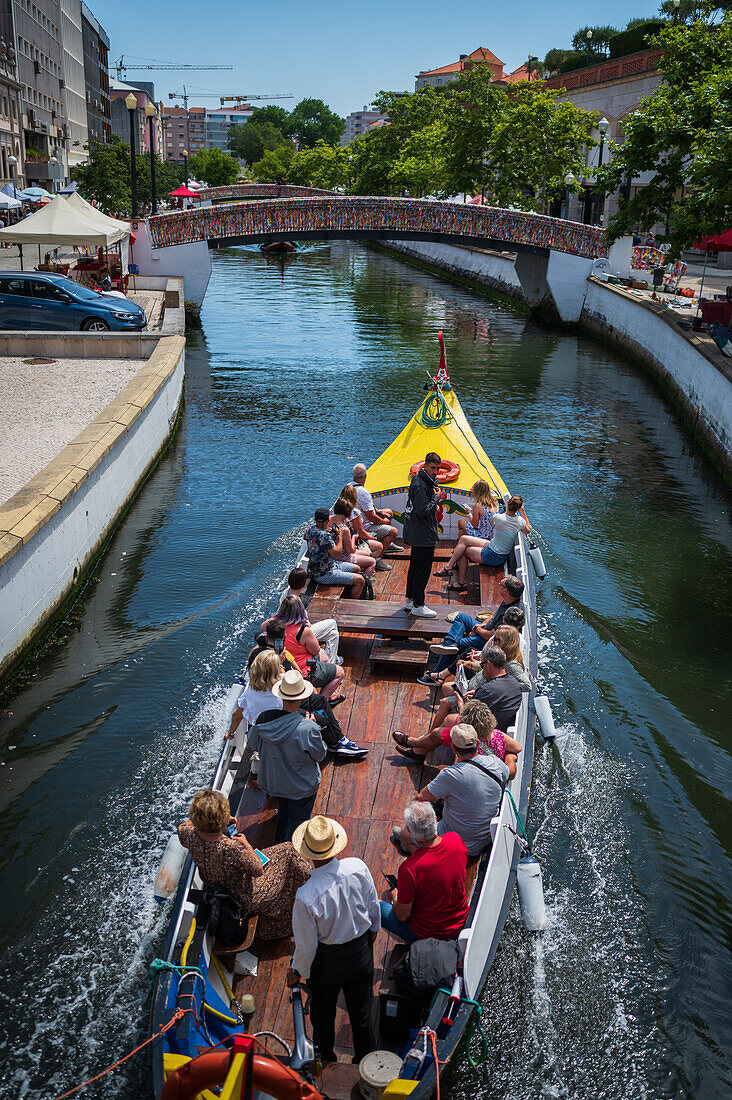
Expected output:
(319, 838)
(293, 686)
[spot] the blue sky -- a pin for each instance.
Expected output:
(342, 53)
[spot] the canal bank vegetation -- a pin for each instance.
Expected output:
(683, 135)
(513, 146)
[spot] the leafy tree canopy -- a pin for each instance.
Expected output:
(274, 164)
(105, 179)
(599, 42)
(312, 121)
(278, 116)
(214, 167)
(327, 166)
(683, 134)
(250, 141)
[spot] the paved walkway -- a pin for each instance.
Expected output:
(43, 405)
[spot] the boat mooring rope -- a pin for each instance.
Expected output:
(435, 412)
(476, 1023)
(179, 1012)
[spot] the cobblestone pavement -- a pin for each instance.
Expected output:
(44, 405)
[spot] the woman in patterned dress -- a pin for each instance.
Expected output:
(231, 862)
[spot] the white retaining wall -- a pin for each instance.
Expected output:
(38, 575)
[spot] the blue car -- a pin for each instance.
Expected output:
(37, 300)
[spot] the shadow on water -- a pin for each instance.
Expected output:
(294, 376)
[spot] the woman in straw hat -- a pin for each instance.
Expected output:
(290, 748)
(231, 862)
(334, 922)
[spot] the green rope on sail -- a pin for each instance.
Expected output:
(435, 413)
(476, 1022)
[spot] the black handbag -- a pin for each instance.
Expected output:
(427, 965)
(227, 916)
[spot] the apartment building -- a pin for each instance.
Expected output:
(218, 122)
(184, 130)
(11, 113)
(74, 89)
(144, 93)
(96, 77)
(35, 29)
(358, 122)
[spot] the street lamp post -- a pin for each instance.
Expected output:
(603, 126)
(529, 63)
(588, 39)
(54, 161)
(131, 105)
(677, 5)
(569, 181)
(184, 154)
(150, 112)
(12, 161)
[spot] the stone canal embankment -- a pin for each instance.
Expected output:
(687, 365)
(87, 427)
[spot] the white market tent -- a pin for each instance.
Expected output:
(78, 203)
(60, 223)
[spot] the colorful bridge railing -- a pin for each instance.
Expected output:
(260, 191)
(356, 216)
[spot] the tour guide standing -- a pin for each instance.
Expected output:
(420, 532)
(334, 921)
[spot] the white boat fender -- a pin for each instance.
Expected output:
(231, 700)
(171, 865)
(537, 560)
(544, 714)
(531, 894)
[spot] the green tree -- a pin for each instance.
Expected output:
(600, 41)
(105, 179)
(327, 166)
(474, 115)
(683, 135)
(214, 167)
(168, 176)
(312, 121)
(277, 116)
(538, 142)
(250, 141)
(407, 154)
(274, 164)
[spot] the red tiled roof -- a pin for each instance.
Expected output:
(481, 54)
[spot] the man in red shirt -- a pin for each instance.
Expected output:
(430, 899)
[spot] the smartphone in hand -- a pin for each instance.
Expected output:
(391, 880)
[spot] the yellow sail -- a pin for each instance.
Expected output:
(440, 425)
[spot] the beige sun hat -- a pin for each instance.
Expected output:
(319, 838)
(464, 737)
(293, 686)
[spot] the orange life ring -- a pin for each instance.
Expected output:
(449, 471)
(210, 1069)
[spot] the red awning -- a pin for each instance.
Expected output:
(721, 243)
(184, 192)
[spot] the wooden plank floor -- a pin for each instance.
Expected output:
(367, 797)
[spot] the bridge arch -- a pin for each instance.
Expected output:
(348, 217)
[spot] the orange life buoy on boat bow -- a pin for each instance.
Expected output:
(449, 471)
(210, 1069)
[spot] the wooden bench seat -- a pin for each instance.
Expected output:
(412, 653)
(377, 617)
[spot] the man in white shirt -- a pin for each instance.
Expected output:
(377, 521)
(334, 921)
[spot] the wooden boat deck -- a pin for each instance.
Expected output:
(368, 797)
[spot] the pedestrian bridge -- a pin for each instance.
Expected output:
(230, 192)
(347, 217)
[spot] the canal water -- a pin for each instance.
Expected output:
(297, 373)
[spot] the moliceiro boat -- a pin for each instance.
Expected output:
(212, 999)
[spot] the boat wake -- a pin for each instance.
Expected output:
(562, 1008)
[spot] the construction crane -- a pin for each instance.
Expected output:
(239, 100)
(123, 67)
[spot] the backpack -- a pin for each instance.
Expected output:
(426, 966)
(227, 916)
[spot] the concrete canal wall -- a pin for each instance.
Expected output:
(52, 529)
(688, 366)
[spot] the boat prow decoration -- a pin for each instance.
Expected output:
(438, 425)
